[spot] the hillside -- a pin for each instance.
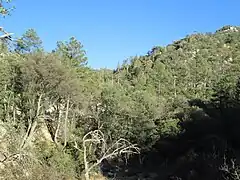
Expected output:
(172, 113)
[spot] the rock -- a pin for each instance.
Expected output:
(3, 157)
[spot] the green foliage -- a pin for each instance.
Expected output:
(29, 42)
(5, 9)
(143, 100)
(71, 52)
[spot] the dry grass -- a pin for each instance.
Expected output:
(97, 177)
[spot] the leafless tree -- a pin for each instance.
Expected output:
(96, 137)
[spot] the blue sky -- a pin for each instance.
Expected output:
(113, 30)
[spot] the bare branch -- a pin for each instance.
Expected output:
(96, 137)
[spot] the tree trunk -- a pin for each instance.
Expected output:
(26, 136)
(32, 126)
(58, 126)
(174, 85)
(14, 114)
(65, 124)
(29, 135)
(85, 162)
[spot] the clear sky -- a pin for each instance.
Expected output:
(113, 30)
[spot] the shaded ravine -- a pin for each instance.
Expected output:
(207, 149)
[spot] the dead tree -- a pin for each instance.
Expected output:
(96, 137)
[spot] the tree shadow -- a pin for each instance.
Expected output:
(206, 149)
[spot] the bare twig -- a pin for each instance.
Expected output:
(231, 169)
